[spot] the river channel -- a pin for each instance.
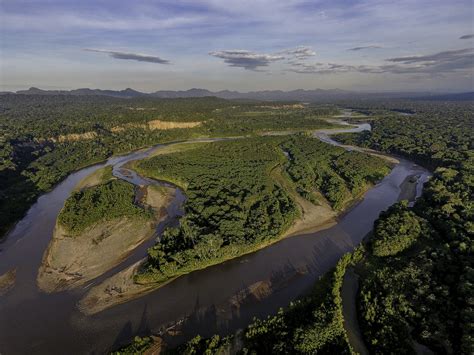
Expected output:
(219, 299)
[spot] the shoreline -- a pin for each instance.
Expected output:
(88, 304)
(7, 281)
(70, 262)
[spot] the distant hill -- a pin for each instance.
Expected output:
(298, 95)
(265, 95)
(464, 96)
(277, 95)
(127, 93)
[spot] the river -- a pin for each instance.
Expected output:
(216, 299)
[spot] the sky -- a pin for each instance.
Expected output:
(244, 45)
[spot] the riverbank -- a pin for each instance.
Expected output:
(96, 178)
(312, 217)
(349, 290)
(71, 261)
(122, 287)
(115, 290)
(7, 281)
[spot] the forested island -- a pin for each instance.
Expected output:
(242, 194)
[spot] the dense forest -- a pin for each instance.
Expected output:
(45, 138)
(338, 174)
(415, 268)
(107, 201)
(236, 201)
(418, 278)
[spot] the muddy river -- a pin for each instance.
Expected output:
(221, 299)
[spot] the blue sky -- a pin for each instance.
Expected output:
(371, 45)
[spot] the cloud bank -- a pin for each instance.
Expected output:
(460, 60)
(130, 56)
(467, 36)
(433, 58)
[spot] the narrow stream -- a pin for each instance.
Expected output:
(204, 302)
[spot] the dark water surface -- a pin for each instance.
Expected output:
(203, 302)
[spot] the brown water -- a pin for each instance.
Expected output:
(203, 302)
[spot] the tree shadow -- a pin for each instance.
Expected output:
(124, 336)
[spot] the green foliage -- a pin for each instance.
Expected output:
(437, 134)
(215, 345)
(236, 198)
(385, 304)
(359, 170)
(339, 175)
(396, 230)
(108, 201)
(232, 204)
(138, 346)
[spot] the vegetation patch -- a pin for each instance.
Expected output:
(232, 203)
(138, 346)
(104, 202)
(339, 175)
(396, 230)
(98, 177)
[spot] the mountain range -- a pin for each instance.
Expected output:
(268, 95)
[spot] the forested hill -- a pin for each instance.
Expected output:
(45, 138)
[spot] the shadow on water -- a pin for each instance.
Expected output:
(125, 333)
(143, 327)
